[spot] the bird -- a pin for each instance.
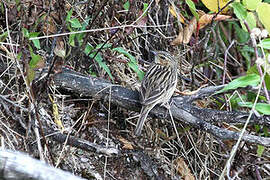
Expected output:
(157, 86)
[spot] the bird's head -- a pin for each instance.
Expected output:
(164, 59)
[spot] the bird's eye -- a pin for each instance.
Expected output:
(162, 58)
(163, 61)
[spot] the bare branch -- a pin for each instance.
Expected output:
(182, 108)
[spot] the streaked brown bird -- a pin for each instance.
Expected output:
(158, 85)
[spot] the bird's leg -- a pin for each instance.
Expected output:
(174, 126)
(167, 105)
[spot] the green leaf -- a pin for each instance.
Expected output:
(251, 4)
(242, 35)
(265, 43)
(145, 6)
(75, 23)
(267, 81)
(235, 99)
(192, 8)
(254, 70)
(133, 64)
(126, 5)
(246, 52)
(263, 10)
(3, 36)
(94, 74)
(30, 75)
(69, 13)
(80, 36)
(257, 128)
(103, 65)
(33, 34)
(35, 58)
(25, 32)
(71, 39)
(104, 46)
(251, 21)
(19, 55)
(260, 150)
(36, 43)
(18, 5)
(2, 8)
(251, 79)
(248, 49)
(260, 107)
(266, 131)
(239, 10)
(85, 23)
(88, 48)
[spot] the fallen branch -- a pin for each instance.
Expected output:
(17, 165)
(83, 144)
(181, 108)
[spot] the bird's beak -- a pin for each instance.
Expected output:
(153, 55)
(153, 52)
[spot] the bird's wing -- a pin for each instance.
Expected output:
(155, 83)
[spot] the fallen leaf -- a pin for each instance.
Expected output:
(233, 128)
(207, 19)
(143, 20)
(127, 144)
(50, 26)
(183, 170)
(56, 114)
(178, 15)
(185, 35)
(60, 49)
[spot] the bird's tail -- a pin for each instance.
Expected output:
(144, 112)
